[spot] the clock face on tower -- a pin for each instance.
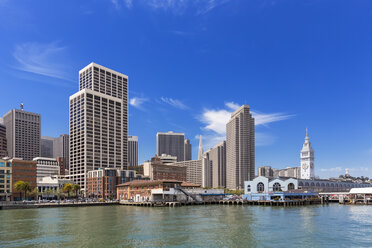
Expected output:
(305, 166)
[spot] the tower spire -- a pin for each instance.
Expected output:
(200, 154)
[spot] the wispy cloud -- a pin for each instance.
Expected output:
(174, 102)
(128, 3)
(177, 7)
(215, 121)
(138, 102)
(116, 4)
(43, 59)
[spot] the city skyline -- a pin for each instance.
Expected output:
(324, 93)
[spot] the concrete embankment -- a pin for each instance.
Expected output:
(54, 205)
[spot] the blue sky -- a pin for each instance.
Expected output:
(297, 63)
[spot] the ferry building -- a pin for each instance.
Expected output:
(306, 181)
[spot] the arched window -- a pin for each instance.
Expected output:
(306, 184)
(317, 184)
(249, 188)
(277, 187)
(260, 187)
(291, 186)
(312, 184)
(301, 184)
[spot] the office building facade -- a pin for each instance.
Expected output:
(240, 148)
(171, 143)
(132, 150)
(188, 150)
(46, 167)
(98, 122)
(3, 142)
(47, 146)
(22, 134)
(194, 170)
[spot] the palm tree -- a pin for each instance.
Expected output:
(76, 188)
(48, 192)
(67, 188)
(22, 186)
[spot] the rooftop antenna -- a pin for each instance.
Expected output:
(21, 106)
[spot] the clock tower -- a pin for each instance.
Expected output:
(307, 159)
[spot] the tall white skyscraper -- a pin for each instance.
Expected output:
(240, 148)
(98, 122)
(171, 143)
(307, 159)
(200, 153)
(132, 150)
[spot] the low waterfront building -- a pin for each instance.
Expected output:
(102, 182)
(266, 185)
(54, 184)
(5, 180)
(22, 170)
(165, 191)
(46, 167)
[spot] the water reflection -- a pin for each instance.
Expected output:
(193, 226)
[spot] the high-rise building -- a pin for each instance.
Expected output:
(307, 159)
(98, 122)
(188, 150)
(240, 148)
(3, 142)
(62, 149)
(171, 143)
(22, 134)
(265, 171)
(55, 147)
(218, 157)
(200, 153)
(214, 166)
(194, 170)
(47, 146)
(132, 150)
(207, 172)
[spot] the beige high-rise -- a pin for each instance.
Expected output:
(98, 122)
(240, 148)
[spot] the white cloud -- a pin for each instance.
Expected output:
(173, 102)
(177, 7)
(128, 3)
(43, 59)
(137, 102)
(215, 121)
(116, 4)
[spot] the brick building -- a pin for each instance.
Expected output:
(157, 170)
(102, 182)
(62, 165)
(22, 170)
